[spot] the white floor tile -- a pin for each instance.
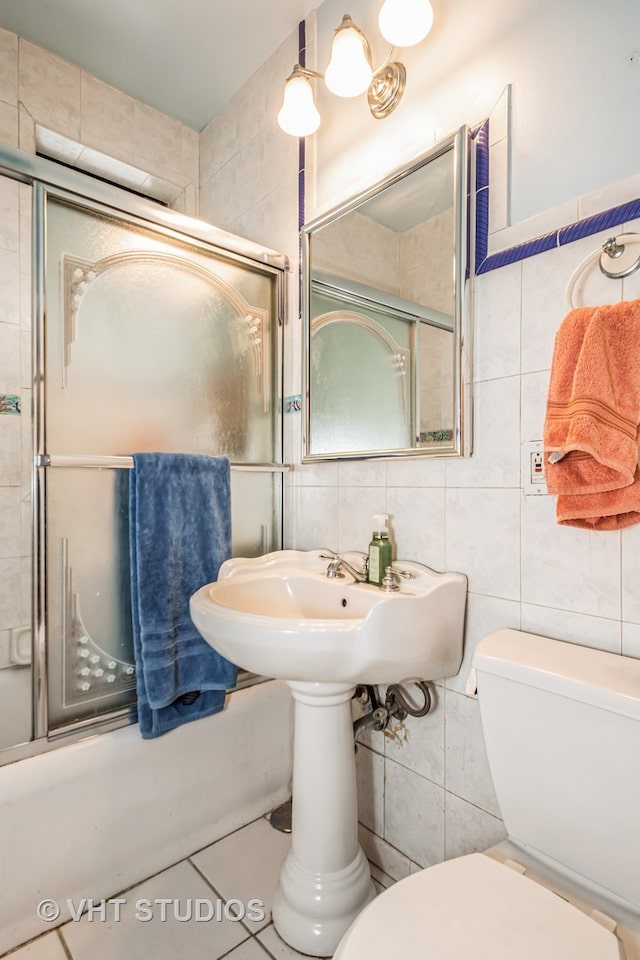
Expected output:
(163, 939)
(277, 947)
(44, 948)
(249, 950)
(246, 865)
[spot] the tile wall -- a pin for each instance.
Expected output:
(38, 88)
(15, 452)
(429, 794)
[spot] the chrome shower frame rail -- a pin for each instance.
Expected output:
(50, 178)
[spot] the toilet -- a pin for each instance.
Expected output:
(562, 729)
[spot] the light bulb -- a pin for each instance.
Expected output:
(349, 71)
(298, 115)
(403, 23)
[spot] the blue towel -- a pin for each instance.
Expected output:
(179, 535)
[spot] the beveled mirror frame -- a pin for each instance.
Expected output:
(461, 145)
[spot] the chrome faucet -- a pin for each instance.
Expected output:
(337, 563)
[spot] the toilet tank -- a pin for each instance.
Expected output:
(562, 729)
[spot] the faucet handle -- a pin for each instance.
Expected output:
(391, 580)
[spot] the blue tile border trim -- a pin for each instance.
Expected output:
(586, 227)
(302, 60)
(481, 137)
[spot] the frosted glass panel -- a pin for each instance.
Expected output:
(359, 384)
(154, 344)
(151, 343)
(90, 663)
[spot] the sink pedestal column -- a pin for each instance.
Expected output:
(325, 880)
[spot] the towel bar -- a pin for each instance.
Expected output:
(126, 463)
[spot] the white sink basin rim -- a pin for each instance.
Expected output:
(281, 616)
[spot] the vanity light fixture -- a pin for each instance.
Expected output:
(350, 71)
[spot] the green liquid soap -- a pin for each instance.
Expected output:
(379, 550)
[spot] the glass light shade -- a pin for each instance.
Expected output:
(349, 71)
(403, 23)
(298, 115)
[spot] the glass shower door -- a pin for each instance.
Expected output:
(152, 342)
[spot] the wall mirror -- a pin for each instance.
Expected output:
(385, 310)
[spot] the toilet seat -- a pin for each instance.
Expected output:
(475, 907)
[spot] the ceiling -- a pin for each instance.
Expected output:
(184, 57)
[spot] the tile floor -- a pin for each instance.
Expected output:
(243, 866)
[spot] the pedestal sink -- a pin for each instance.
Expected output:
(280, 616)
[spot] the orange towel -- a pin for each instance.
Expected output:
(593, 415)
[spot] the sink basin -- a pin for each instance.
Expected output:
(280, 616)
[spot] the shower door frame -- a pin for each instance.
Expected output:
(48, 178)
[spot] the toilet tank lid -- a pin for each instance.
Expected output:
(599, 678)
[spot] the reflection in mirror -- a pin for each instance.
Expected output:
(384, 282)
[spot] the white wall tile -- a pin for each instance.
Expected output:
(10, 522)
(9, 287)
(8, 67)
(419, 743)
(413, 814)
(271, 221)
(315, 474)
(9, 124)
(499, 185)
(417, 524)
(190, 155)
(631, 574)
(631, 639)
(496, 444)
(157, 139)
(610, 196)
(573, 627)
(9, 213)
(362, 473)
(485, 615)
(392, 861)
(568, 568)
(356, 509)
(416, 472)
(10, 463)
(469, 829)
(10, 585)
(544, 284)
(370, 780)
(108, 118)
(533, 405)
(10, 368)
(497, 323)
(467, 767)
(50, 89)
(318, 518)
(499, 117)
(482, 539)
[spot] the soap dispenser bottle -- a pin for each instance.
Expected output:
(379, 550)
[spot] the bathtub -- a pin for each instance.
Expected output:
(97, 816)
